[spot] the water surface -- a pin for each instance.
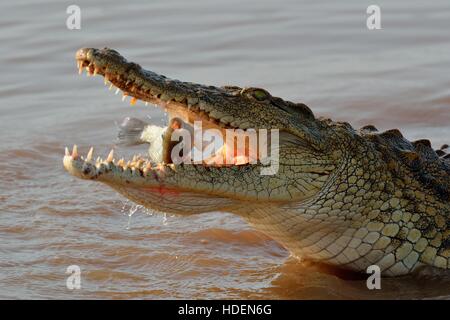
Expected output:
(320, 53)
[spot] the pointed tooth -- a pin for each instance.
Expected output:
(120, 162)
(111, 86)
(95, 71)
(133, 101)
(117, 91)
(147, 167)
(89, 154)
(110, 156)
(146, 103)
(75, 151)
(124, 96)
(66, 152)
(80, 67)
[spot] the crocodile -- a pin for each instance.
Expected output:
(345, 197)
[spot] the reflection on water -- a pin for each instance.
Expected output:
(321, 54)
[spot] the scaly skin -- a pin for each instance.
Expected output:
(345, 197)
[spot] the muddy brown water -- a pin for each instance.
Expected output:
(319, 53)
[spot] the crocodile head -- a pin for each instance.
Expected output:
(302, 166)
(341, 196)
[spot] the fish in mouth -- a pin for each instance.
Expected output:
(344, 197)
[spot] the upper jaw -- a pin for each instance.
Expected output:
(157, 89)
(188, 101)
(227, 107)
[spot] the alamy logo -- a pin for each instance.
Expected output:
(373, 21)
(236, 148)
(73, 21)
(374, 280)
(74, 280)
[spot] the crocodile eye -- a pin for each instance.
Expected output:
(256, 93)
(260, 95)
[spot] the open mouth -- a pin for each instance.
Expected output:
(185, 105)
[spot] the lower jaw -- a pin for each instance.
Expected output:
(171, 200)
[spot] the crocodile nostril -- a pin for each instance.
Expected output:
(82, 53)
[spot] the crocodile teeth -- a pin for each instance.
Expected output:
(124, 96)
(117, 91)
(98, 164)
(75, 151)
(80, 67)
(133, 101)
(111, 86)
(110, 156)
(139, 163)
(66, 151)
(95, 72)
(89, 154)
